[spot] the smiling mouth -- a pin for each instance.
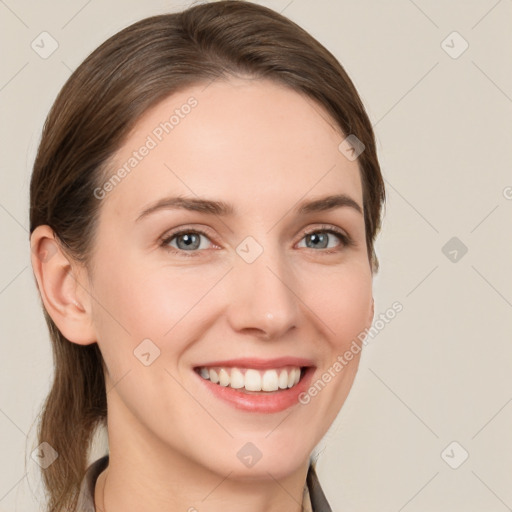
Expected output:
(251, 380)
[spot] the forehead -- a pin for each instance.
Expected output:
(249, 142)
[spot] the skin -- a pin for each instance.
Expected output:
(262, 148)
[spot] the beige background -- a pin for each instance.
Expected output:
(441, 371)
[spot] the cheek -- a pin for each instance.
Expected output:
(342, 300)
(136, 302)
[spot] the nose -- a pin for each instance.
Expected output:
(262, 300)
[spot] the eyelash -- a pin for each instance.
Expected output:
(346, 241)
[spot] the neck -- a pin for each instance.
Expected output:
(145, 475)
(132, 491)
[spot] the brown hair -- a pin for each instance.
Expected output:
(92, 116)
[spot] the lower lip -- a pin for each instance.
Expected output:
(263, 402)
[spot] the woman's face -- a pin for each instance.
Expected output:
(257, 283)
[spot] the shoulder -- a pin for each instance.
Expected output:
(86, 496)
(319, 502)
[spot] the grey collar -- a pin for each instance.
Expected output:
(86, 498)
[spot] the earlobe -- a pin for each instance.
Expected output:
(62, 287)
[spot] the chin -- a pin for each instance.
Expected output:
(263, 458)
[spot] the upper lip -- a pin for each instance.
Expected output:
(257, 363)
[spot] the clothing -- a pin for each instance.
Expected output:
(314, 499)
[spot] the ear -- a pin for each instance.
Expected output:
(62, 283)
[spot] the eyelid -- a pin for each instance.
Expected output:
(204, 230)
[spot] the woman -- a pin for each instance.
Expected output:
(204, 204)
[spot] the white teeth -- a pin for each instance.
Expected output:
(251, 379)
(291, 378)
(237, 379)
(283, 379)
(269, 381)
(223, 377)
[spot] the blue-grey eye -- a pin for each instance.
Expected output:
(322, 240)
(187, 241)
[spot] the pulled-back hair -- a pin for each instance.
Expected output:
(91, 118)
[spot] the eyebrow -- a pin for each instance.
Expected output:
(212, 207)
